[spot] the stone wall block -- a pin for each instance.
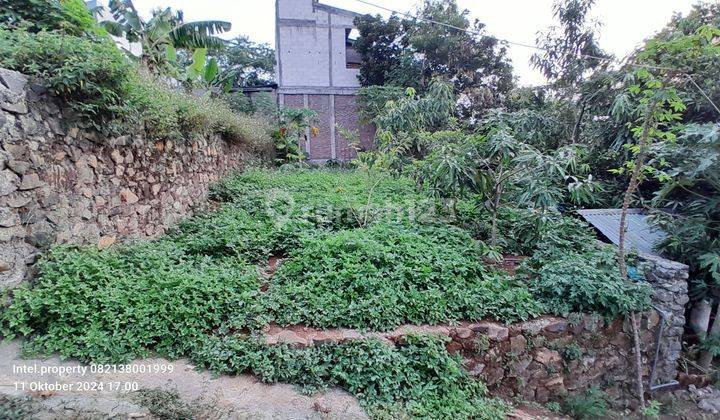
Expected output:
(62, 182)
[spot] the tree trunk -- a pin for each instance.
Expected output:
(706, 357)
(578, 122)
(632, 185)
(638, 359)
(496, 204)
(700, 317)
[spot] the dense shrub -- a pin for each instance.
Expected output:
(388, 274)
(113, 306)
(70, 16)
(585, 280)
(592, 404)
(105, 90)
(521, 231)
(415, 379)
(92, 77)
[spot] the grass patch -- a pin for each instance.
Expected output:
(328, 199)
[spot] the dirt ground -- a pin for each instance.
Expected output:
(231, 397)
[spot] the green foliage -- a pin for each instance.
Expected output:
(68, 16)
(162, 34)
(244, 62)
(105, 90)
(592, 405)
(584, 280)
(228, 232)
(373, 99)
(652, 410)
(324, 199)
(417, 378)
(411, 52)
(92, 77)
(389, 274)
(293, 124)
(571, 50)
(117, 305)
(692, 190)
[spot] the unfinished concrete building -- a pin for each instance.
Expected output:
(317, 68)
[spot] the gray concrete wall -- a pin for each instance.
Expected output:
(312, 73)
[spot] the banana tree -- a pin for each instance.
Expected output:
(160, 36)
(205, 73)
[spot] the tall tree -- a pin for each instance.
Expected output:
(439, 40)
(384, 59)
(570, 54)
(165, 32)
(245, 62)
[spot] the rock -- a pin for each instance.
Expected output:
(4, 267)
(30, 182)
(18, 166)
(556, 326)
(518, 344)
(291, 337)
(9, 182)
(14, 254)
(85, 173)
(105, 242)
(494, 331)
(17, 200)
(547, 357)
(350, 335)
(128, 196)
(8, 218)
(13, 80)
(116, 157)
(463, 333)
(41, 235)
(12, 91)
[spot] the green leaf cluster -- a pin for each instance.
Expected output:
(416, 378)
(116, 305)
(385, 274)
(105, 90)
(584, 279)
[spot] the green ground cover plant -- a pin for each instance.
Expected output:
(333, 199)
(417, 378)
(388, 274)
(116, 305)
(197, 291)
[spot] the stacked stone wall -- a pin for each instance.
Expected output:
(62, 183)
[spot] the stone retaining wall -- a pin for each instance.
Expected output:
(60, 183)
(546, 358)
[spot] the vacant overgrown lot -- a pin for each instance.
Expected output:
(357, 250)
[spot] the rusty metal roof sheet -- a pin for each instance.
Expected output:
(640, 235)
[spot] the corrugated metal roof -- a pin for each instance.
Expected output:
(640, 235)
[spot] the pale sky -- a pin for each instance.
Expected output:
(626, 23)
